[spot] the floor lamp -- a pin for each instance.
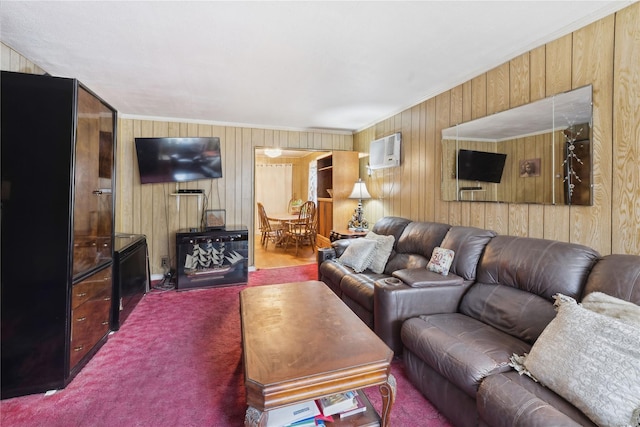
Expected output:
(358, 222)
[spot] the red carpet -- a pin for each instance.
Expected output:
(177, 362)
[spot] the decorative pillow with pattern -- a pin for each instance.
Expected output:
(383, 251)
(440, 261)
(624, 311)
(359, 254)
(591, 360)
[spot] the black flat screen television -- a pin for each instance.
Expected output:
(480, 165)
(178, 159)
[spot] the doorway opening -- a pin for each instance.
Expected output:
(290, 176)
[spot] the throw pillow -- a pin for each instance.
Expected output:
(440, 261)
(358, 254)
(620, 309)
(384, 246)
(591, 360)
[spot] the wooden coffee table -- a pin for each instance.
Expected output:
(301, 342)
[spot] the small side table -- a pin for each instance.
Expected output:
(345, 233)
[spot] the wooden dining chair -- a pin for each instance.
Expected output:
(303, 230)
(270, 231)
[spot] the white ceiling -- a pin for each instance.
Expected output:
(291, 65)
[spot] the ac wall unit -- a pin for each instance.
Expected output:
(385, 152)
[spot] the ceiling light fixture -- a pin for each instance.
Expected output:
(273, 152)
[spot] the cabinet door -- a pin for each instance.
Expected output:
(325, 217)
(93, 202)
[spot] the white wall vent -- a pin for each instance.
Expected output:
(385, 152)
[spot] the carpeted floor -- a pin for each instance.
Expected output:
(177, 362)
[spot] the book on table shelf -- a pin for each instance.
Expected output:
(357, 408)
(308, 422)
(337, 403)
(281, 417)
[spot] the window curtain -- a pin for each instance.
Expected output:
(273, 188)
(313, 182)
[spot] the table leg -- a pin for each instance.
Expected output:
(254, 418)
(388, 392)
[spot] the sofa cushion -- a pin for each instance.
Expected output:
(400, 261)
(515, 312)
(517, 278)
(382, 252)
(421, 237)
(390, 226)
(617, 275)
(539, 266)
(359, 287)
(460, 348)
(441, 260)
(415, 245)
(358, 255)
(468, 243)
(423, 278)
(332, 272)
(508, 399)
(591, 360)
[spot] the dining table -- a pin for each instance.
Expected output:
(283, 219)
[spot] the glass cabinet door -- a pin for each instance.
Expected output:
(93, 200)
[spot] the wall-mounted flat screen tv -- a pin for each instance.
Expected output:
(178, 159)
(480, 165)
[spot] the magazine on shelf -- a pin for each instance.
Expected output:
(337, 403)
(356, 409)
(288, 415)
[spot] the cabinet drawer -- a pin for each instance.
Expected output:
(89, 323)
(96, 286)
(91, 308)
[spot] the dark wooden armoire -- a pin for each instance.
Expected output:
(58, 145)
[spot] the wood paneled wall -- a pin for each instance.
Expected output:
(586, 56)
(150, 209)
(10, 60)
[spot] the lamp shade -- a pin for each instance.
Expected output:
(360, 191)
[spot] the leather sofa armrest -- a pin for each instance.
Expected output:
(395, 303)
(324, 254)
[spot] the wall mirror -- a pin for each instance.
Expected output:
(536, 153)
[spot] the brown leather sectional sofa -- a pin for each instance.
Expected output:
(457, 332)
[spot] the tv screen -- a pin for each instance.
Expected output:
(178, 159)
(480, 165)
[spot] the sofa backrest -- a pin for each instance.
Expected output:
(415, 245)
(616, 275)
(391, 225)
(468, 244)
(517, 278)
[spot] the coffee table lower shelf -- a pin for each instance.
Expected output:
(368, 418)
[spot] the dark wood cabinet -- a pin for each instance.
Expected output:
(131, 276)
(58, 144)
